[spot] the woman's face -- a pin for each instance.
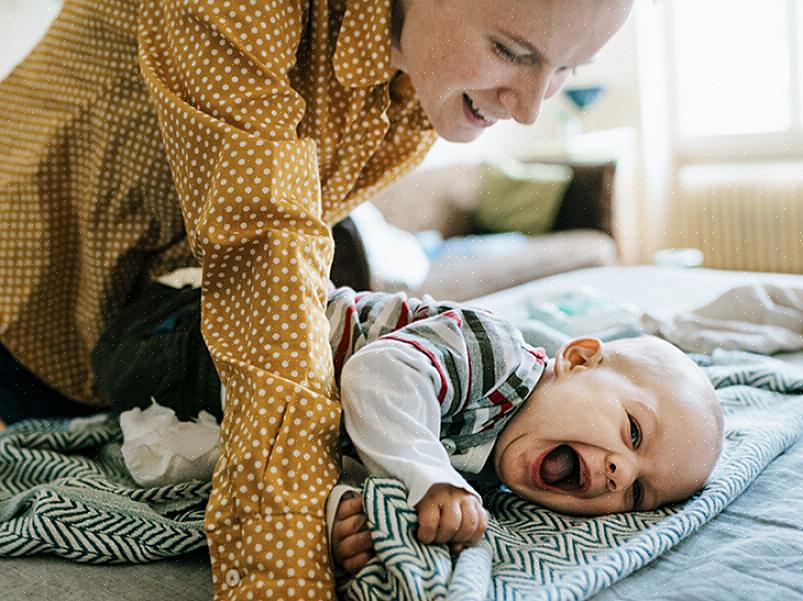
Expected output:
(475, 62)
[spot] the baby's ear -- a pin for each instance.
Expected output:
(580, 353)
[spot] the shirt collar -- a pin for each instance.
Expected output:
(362, 53)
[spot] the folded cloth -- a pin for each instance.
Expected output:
(758, 318)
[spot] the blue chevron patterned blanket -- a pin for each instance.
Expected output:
(64, 490)
(533, 553)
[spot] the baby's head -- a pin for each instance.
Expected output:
(626, 425)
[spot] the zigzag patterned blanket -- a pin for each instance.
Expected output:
(64, 490)
(533, 553)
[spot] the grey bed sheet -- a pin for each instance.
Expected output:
(184, 578)
(752, 550)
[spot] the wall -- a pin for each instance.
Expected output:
(22, 24)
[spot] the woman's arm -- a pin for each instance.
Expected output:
(250, 198)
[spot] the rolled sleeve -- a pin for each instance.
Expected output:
(250, 199)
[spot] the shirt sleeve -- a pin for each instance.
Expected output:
(391, 413)
(250, 199)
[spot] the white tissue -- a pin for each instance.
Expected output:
(158, 449)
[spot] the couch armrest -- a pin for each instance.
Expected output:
(588, 202)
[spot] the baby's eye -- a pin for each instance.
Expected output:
(638, 494)
(635, 432)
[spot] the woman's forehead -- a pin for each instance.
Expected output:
(563, 31)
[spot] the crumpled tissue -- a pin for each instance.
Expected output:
(159, 450)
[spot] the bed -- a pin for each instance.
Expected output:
(753, 548)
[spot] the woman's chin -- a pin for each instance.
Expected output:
(457, 133)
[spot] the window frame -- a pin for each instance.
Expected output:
(693, 148)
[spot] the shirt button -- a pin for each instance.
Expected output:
(232, 578)
(449, 445)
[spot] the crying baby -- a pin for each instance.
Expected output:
(458, 402)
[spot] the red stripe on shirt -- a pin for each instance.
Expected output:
(504, 408)
(428, 353)
(345, 341)
(454, 317)
(539, 354)
(497, 398)
(405, 312)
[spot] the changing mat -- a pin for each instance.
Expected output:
(533, 553)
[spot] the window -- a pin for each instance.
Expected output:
(737, 69)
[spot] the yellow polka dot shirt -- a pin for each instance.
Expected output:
(145, 135)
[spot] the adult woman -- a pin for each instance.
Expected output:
(251, 128)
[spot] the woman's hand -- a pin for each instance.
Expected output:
(352, 546)
(448, 514)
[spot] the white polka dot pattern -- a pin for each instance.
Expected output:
(276, 118)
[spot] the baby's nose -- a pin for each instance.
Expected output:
(619, 471)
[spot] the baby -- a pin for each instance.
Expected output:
(449, 398)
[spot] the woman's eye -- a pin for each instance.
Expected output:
(638, 493)
(505, 53)
(635, 432)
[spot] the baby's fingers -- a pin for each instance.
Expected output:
(350, 504)
(474, 521)
(429, 515)
(353, 545)
(354, 564)
(342, 529)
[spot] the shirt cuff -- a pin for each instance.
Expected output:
(429, 477)
(279, 556)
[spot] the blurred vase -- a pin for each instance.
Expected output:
(584, 96)
(581, 98)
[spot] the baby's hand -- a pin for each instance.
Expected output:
(448, 514)
(352, 546)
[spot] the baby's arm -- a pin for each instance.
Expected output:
(389, 393)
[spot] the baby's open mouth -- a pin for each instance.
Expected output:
(561, 468)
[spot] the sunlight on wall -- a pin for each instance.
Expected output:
(22, 24)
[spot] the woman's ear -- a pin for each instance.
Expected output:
(580, 353)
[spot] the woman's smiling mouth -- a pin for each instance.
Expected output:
(560, 469)
(474, 115)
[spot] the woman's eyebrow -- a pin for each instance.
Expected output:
(534, 53)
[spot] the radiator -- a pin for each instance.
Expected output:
(747, 217)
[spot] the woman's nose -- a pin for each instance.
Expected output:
(524, 97)
(620, 472)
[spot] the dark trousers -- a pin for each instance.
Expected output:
(154, 349)
(23, 395)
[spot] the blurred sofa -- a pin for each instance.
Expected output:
(444, 199)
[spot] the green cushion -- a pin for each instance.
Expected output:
(519, 197)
